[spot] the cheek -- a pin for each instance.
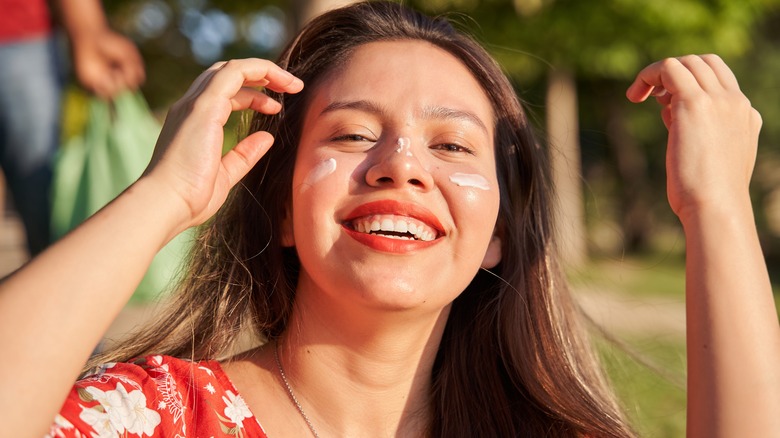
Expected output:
(318, 173)
(474, 189)
(470, 180)
(312, 183)
(475, 195)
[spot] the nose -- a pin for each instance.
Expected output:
(395, 165)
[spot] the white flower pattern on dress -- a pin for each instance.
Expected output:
(60, 427)
(157, 396)
(236, 409)
(100, 422)
(122, 412)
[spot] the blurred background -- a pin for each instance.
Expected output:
(571, 62)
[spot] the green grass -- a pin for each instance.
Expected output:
(652, 392)
(646, 275)
(648, 373)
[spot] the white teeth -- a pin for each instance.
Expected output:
(388, 225)
(415, 228)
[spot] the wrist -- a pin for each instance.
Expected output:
(722, 206)
(170, 209)
(720, 216)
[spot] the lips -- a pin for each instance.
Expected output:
(393, 226)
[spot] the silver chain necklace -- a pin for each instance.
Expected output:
(291, 393)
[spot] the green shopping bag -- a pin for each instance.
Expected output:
(93, 168)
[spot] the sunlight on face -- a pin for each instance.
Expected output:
(404, 211)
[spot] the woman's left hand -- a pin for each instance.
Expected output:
(732, 332)
(713, 131)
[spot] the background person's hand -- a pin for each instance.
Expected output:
(713, 131)
(188, 156)
(107, 63)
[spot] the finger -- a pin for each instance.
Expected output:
(130, 68)
(666, 116)
(669, 74)
(103, 87)
(235, 73)
(726, 77)
(702, 72)
(239, 160)
(116, 83)
(664, 98)
(133, 75)
(137, 69)
(200, 82)
(249, 98)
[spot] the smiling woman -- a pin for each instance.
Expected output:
(392, 252)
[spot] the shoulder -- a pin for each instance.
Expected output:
(156, 396)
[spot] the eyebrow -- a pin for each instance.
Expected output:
(429, 113)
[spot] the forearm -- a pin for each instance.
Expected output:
(81, 18)
(54, 311)
(733, 334)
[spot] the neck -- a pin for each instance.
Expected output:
(359, 373)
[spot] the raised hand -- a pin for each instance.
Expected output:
(188, 158)
(713, 131)
(733, 337)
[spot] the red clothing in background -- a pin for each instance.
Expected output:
(23, 19)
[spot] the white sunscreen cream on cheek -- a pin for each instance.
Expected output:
(320, 171)
(470, 180)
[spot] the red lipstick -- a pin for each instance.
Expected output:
(385, 243)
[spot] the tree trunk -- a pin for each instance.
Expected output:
(636, 215)
(563, 138)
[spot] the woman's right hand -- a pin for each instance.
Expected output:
(188, 160)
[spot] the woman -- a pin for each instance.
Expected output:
(393, 252)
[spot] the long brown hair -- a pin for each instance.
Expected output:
(514, 359)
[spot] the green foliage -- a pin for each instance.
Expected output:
(607, 38)
(604, 42)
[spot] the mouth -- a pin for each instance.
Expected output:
(410, 226)
(394, 227)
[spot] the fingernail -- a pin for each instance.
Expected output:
(658, 92)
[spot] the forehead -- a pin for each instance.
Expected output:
(406, 76)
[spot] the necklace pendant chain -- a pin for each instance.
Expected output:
(291, 393)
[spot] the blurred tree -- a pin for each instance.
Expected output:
(561, 45)
(603, 42)
(180, 38)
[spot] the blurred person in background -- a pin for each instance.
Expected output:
(31, 82)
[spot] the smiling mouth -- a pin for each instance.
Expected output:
(394, 227)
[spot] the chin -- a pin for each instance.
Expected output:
(398, 295)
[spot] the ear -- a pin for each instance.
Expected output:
(493, 253)
(288, 236)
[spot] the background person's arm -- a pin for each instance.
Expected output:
(104, 61)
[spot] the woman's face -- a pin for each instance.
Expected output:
(395, 195)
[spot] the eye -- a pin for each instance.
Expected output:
(453, 148)
(351, 137)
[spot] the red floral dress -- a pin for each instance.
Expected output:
(156, 396)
